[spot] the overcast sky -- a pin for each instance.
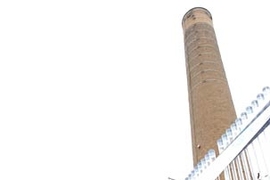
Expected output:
(97, 89)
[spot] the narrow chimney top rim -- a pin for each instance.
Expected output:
(194, 9)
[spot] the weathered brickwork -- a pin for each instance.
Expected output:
(211, 107)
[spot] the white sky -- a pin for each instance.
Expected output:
(97, 89)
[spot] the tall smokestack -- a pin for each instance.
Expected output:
(211, 106)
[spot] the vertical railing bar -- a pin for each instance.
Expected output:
(239, 167)
(253, 160)
(234, 171)
(227, 173)
(259, 158)
(266, 142)
(266, 148)
(262, 155)
(245, 165)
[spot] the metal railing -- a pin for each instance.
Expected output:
(244, 148)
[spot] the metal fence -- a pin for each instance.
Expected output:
(244, 148)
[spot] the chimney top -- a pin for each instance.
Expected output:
(196, 15)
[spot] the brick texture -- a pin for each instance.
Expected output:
(211, 107)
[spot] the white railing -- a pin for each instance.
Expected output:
(244, 148)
